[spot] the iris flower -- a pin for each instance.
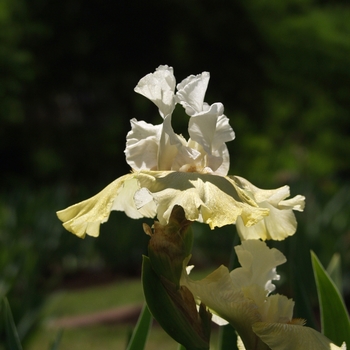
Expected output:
(242, 298)
(168, 170)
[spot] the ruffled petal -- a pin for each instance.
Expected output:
(250, 255)
(276, 308)
(85, 217)
(281, 336)
(211, 128)
(191, 92)
(277, 226)
(295, 203)
(159, 87)
(142, 145)
(219, 294)
(205, 198)
(174, 152)
(281, 221)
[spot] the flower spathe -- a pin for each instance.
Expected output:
(168, 170)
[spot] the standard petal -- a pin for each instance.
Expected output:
(159, 87)
(281, 336)
(142, 145)
(191, 92)
(173, 151)
(211, 129)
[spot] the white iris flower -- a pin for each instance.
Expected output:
(168, 170)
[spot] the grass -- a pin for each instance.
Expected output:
(68, 303)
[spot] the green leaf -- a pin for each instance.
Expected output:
(168, 312)
(227, 338)
(335, 320)
(140, 334)
(12, 338)
(181, 347)
(334, 271)
(57, 341)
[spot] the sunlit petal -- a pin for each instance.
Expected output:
(191, 92)
(281, 222)
(85, 217)
(251, 254)
(205, 198)
(142, 145)
(211, 129)
(159, 87)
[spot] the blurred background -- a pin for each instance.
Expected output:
(67, 73)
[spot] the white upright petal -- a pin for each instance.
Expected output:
(191, 92)
(142, 145)
(159, 87)
(211, 128)
(167, 146)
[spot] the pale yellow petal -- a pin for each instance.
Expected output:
(295, 203)
(277, 308)
(256, 231)
(281, 336)
(85, 217)
(207, 198)
(258, 263)
(218, 292)
(281, 221)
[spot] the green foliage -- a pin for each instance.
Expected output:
(168, 311)
(12, 339)
(56, 343)
(141, 330)
(335, 319)
(228, 338)
(27, 237)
